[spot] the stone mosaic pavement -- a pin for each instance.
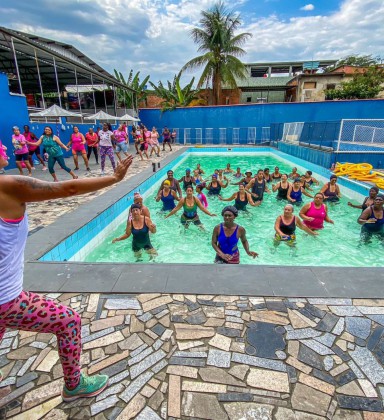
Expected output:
(206, 357)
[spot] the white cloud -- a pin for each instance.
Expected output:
(308, 7)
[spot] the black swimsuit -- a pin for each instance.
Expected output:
(214, 190)
(241, 204)
(140, 238)
(282, 192)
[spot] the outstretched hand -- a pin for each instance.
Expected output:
(122, 168)
(253, 254)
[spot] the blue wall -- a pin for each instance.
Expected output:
(261, 115)
(308, 154)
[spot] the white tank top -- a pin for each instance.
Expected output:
(13, 237)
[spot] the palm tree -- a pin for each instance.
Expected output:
(220, 47)
(133, 82)
(174, 95)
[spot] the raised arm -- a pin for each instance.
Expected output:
(203, 209)
(175, 196)
(37, 143)
(275, 187)
(58, 141)
(151, 225)
(232, 197)
(158, 196)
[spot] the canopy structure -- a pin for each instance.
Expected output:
(55, 111)
(86, 88)
(127, 117)
(102, 116)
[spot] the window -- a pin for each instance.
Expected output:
(331, 86)
(309, 85)
(249, 98)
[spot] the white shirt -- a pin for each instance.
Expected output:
(105, 138)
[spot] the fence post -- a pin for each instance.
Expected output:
(338, 140)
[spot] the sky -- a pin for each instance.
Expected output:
(153, 36)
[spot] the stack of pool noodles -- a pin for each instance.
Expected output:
(360, 172)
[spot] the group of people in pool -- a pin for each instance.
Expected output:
(251, 189)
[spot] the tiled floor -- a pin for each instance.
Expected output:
(207, 357)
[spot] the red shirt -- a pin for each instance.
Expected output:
(91, 139)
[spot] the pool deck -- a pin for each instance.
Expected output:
(250, 280)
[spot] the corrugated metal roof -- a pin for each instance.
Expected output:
(264, 82)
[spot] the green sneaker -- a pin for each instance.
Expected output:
(89, 386)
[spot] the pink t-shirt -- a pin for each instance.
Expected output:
(318, 215)
(32, 139)
(119, 136)
(20, 144)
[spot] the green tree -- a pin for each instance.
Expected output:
(133, 82)
(356, 61)
(174, 95)
(220, 46)
(364, 85)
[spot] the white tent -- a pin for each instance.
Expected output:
(55, 111)
(127, 117)
(102, 116)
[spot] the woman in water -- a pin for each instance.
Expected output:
(197, 179)
(368, 201)
(28, 311)
(315, 213)
(139, 227)
(296, 191)
(53, 146)
(294, 174)
(154, 142)
(285, 227)
(282, 187)
(228, 170)
(310, 179)
(201, 196)
(106, 148)
(225, 238)
(20, 145)
(167, 196)
(372, 221)
(187, 179)
(238, 174)
(304, 183)
(77, 140)
(245, 180)
(174, 184)
(331, 190)
(121, 138)
(215, 186)
(267, 175)
(276, 176)
(241, 197)
(199, 168)
(190, 205)
(257, 187)
(138, 199)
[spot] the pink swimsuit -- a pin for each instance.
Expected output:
(318, 215)
(77, 145)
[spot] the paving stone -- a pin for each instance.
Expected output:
(186, 371)
(158, 329)
(309, 357)
(314, 310)
(219, 358)
(103, 324)
(235, 396)
(229, 332)
(202, 406)
(269, 316)
(39, 395)
(135, 386)
(375, 337)
(317, 384)
(197, 354)
(327, 339)
(371, 310)
(339, 327)
(187, 361)
(103, 405)
(326, 377)
(345, 310)
(258, 362)
(342, 414)
(221, 342)
(31, 376)
(104, 341)
(22, 353)
(284, 414)
(149, 361)
(292, 376)
(192, 386)
(141, 354)
(379, 319)
(49, 361)
(214, 322)
(367, 388)
(189, 344)
(108, 362)
(159, 366)
(216, 375)
(346, 377)
(356, 370)
(275, 305)
(125, 303)
(305, 398)
(368, 364)
(298, 320)
(270, 380)
(360, 403)
(317, 347)
(327, 323)
(265, 339)
(192, 332)
(195, 319)
(97, 334)
(341, 354)
(302, 334)
(156, 303)
(328, 363)
(330, 301)
(251, 410)
(359, 327)
(351, 388)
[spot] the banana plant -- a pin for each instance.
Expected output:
(133, 82)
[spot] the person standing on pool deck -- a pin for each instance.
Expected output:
(372, 221)
(154, 142)
(77, 141)
(173, 136)
(225, 238)
(331, 190)
(106, 148)
(28, 311)
(166, 138)
(175, 186)
(53, 146)
(167, 196)
(92, 138)
(121, 138)
(139, 227)
(257, 187)
(190, 205)
(368, 201)
(33, 150)
(21, 151)
(241, 197)
(315, 213)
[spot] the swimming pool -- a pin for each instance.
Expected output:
(336, 245)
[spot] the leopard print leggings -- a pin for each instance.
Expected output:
(32, 312)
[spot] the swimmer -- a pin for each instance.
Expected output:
(294, 174)
(138, 199)
(225, 238)
(241, 197)
(257, 187)
(282, 187)
(167, 196)
(276, 176)
(315, 213)
(304, 183)
(220, 175)
(139, 227)
(228, 170)
(296, 191)
(197, 179)
(175, 186)
(200, 169)
(368, 201)
(331, 190)
(28, 311)
(372, 221)
(245, 180)
(267, 175)
(238, 174)
(310, 179)
(285, 227)
(190, 205)
(187, 179)
(215, 186)
(201, 196)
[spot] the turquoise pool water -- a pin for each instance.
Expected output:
(336, 245)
